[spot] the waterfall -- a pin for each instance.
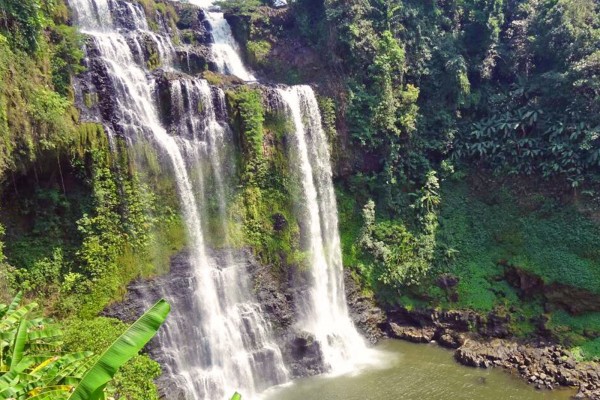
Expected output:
(216, 341)
(325, 312)
(225, 49)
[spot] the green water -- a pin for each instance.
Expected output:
(416, 371)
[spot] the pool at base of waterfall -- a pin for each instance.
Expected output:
(416, 372)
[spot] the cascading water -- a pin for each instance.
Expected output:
(225, 49)
(325, 313)
(236, 353)
(218, 341)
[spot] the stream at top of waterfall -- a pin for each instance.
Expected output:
(415, 371)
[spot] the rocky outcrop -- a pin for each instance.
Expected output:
(546, 366)
(491, 325)
(574, 300)
(479, 342)
(193, 53)
(302, 354)
(366, 315)
(412, 334)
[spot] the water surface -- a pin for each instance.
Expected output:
(416, 371)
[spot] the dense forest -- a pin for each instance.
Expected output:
(465, 143)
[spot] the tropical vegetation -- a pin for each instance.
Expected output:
(33, 364)
(465, 137)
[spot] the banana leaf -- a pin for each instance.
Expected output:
(19, 345)
(122, 350)
(14, 304)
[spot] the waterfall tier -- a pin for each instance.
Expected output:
(324, 310)
(218, 341)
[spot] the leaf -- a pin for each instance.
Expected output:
(121, 351)
(19, 345)
(14, 317)
(4, 310)
(236, 396)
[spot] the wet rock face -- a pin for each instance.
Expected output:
(123, 16)
(301, 353)
(97, 81)
(364, 312)
(193, 55)
(94, 89)
(277, 294)
(195, 59)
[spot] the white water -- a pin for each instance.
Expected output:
(218, 342)
(225, 49)
(325, 310)
(236, 352)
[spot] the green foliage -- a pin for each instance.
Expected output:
(135, 379)
(251, 116)
(261, 213)
(590, 350)
(238, 6)
(66, 57)
(31, 363)
(582, 332)
(530, 142)
(394, 250)
(258, 51)
(23, 22)
(43, 276)
(35, 69)
(121, 350)
(155, 11)
(483, 229)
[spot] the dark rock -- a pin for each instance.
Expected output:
(447, 281)
(305, 353)
(574, 300)
(273, 296)
(528, 284)
(365, 314)
(450, 339)
(195, 59)
(279, 222)
(412, 334)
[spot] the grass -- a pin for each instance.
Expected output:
(552, 241)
